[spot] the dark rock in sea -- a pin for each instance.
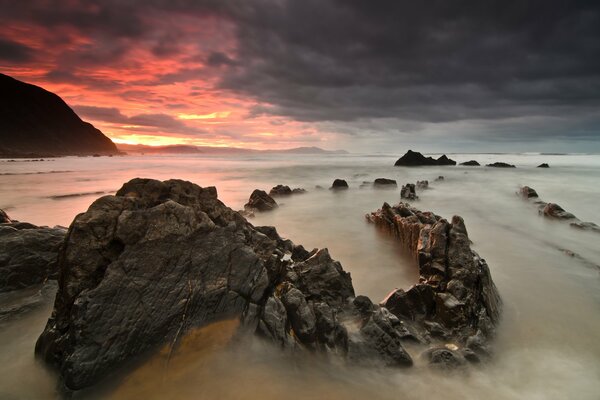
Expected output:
(423, 184)
(298, 191)
(439, 178)
(408, 192)
(384, 182)
(528, 192)
(455, 298)
(36, 122)
(280, 190)
(339, 184)
(543, 165)
(500, 165)
(471, 163)
(553, 210)
(443, 357)
(28, 254)
(260, 201)
(415, 159)
(585, 226)
(142, 268)
(4, 217)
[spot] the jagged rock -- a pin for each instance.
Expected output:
(408, 192)
(28, 254)
(280, 190)
(260, 201)
(500, 165)
(471, 163)
(414, 159)
(455, 298)
(138, 270)
(384, 182)
(423, 184)
(543, 165)
(339, 184)
(528, 192)
(553, 210)
(4, 217)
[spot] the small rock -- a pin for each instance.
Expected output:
(408, 192)
(260, 201)
(4, 217)
(543, 165)
(339, 184)
(280, 190)
(500, 165)
(385, 182)
(423, 184)
(553, 210)
(471, 163)
(528, 192)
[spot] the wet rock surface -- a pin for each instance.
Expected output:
(553, 210)
(28, 254)
(140, 269)
(455, 300)
(260, 201)
(408, 192)
(415, 159)
(528, 192)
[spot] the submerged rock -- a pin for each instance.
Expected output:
(408, 192)
(585, 226)
(500, 165)
(4, 217)
(528, 192)
(543, 165)
(140, 269)
(260, 201)
(423, 184)
(439, 178)
(553, 210)
(385, 182)
(339, 184)
(28, 254)
(414, 159)
(284, 190)
(455, 298)
(471, 163)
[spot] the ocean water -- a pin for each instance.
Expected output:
(547, 345)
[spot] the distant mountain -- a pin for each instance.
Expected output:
(34, 121)
(185, 149)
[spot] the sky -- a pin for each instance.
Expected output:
(364, 76)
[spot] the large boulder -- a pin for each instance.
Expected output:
(455, 299)
(28, 254)
(140, 269)
(415, 159)
(260, 201)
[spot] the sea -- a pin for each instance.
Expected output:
(547, 272)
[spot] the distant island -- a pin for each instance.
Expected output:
(35, 122)
(208, 150)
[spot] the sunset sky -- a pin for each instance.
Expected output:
(354, 75)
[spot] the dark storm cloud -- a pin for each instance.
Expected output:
(14, 52)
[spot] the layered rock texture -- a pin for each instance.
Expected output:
(455, 300)
(28, 253)
(35, 121)
(416, 159)
(141, 268)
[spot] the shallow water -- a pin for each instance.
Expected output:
(547, 345)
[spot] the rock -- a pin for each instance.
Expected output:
(319, 187)
(28, 254)
(439, 178)
(553, 210)
(280, 190)
(423, 184)
(339, 184)
(528, 192)
(543, 165)
(443, 357)
(585, 226)
(298, 191)
(471, 163)
(414, 159)
(455, 298)
(144, 267)
(4, 217)
(260, 201)
(384, 182)
(408, 192)
(500, 165)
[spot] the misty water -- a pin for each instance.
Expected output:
(547, 345)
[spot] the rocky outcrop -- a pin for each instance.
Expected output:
(28, 254)
(408, 192)
(140, 269)
(284, 190)
(415, 159)
(528, 192)
(384, 182)
(34, 121)
(543, 165)
(423, 184)
(471, 163)
(500, 165)
(455, 300)
(260, 201)
(339, 184)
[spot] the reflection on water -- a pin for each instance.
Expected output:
(547, 346)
